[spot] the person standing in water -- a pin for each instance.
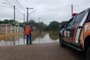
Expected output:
(28, 32)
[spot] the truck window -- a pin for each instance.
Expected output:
(71, 23)
(79, 17)
(88, 19)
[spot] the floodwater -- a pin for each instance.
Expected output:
(37, 38)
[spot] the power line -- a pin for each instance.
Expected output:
(12, 5)
(14, 8)
(2, 6)
(20, 4)
(9, 3)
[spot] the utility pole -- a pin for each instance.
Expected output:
(14, 23)
(14, 19)
(27, 20)
(71, 10)
(28, 13)
(14, 13)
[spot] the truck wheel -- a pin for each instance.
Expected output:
(88, 54)
(61, 43)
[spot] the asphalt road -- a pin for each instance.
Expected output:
(39, 52)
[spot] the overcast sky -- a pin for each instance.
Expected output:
(48, 10)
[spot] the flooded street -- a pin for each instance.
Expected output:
(45, 47)
(37, 38)
(39, 52)
(45, 37)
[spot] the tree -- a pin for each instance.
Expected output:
(33, 23)
(54, 26)
(6, 21)
(41, 26)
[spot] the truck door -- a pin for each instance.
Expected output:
(73, 30)
(79, 22)
(70, 28)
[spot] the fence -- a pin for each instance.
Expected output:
(8, 29)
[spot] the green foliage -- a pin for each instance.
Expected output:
(54, 26)
(42, 26)
(33, 23)
(39, 25)
(6, 21)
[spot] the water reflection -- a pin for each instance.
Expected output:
(53, 35)
(12, 40)
(46, 37)
(38, 35)
(37, 38)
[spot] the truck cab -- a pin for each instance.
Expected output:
(76, 32)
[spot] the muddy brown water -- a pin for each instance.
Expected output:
(37, 38)
(45, 47)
